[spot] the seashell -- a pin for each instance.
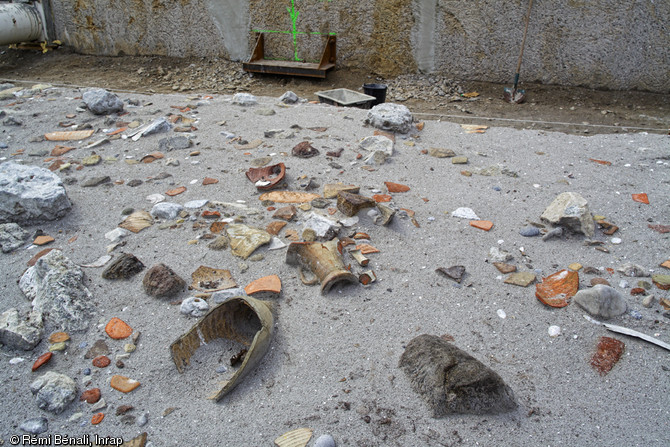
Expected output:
(294, 438)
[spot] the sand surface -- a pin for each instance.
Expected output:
(332, 365)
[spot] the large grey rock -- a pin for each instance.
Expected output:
(452, 381)
(166, 210)
(29, 194)
(244, 99)
(12, 236)
(289, 98)
(54, 391)
(391, 117)
(570, 210)
(56, 287)
(601, 301)
(324, 228)
(102, 102)
(377, 143)
(17, 333)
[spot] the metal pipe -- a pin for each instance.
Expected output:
(20, 22)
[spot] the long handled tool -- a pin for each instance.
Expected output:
(514, 95)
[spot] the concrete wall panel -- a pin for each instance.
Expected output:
(597, 43)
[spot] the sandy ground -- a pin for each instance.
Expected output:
(333, 363)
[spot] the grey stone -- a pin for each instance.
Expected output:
(225, 295)
(101, 102)
(570, 210)
(498, 255)
(16, 333)
(29, 194)
(320, 203)
(54, 391)
(464, 213)
(455, 272)
(377, 158)
(441, 153)
(323, 227)
(289, 98)
(124, 267)
(194, 307)
(529, 231)
(648, 301)
(56, 287)
(632, 270)
(452, 381)
(166, 210)
(391, 117)
(244, 99)
(324, 441)
(556, 232)
(12, 236)
(143, 420)
(35, 426)
(172, 143)
(162, 281)
(159, 125)
(265, 112)
(95, 181)
(377, 143)
(601, 301)
(195, 204)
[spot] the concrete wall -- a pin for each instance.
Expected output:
(597, 43)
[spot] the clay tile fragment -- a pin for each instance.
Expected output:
(43, 240)
(69, 135)
(58, 337)
(396, 187)
(641, 198)
(217, 227)
(455, 272)
(123, 383)
(275, 227)
(285, 213)
(267, 177)
(150, 158)
(242, 319)
(485, 225)
(208, 279)
(42, 360)
(61, 150)
(118, 329)
(209, 181)
(557, 289)
(381, 198)
(289, 196)
(90, 396)
(97, 418)
(350, 204)
(330, 190)
(267, 285)
(175, 191)
(137, 221)
(101, 361)
(304, 150)
(367, 249)
(608, 353)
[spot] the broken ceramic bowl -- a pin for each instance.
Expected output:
(323, 259)
(242, 319)
(267, 177)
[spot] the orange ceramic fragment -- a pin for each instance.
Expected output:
(366, 249)
(642, 198)
(117, 131)
(123, 383)
(43, 240)
(69, 135)
(396, 187)
(90, 396)
(602, 162)
(41, 360)
(666, 264)
(275, 227)
(38, 255)
(380, 198)
(211, 214)
(150, 158)
(97, 418)
(609, 352)
(58, 337)
(209, 181)
(485, 225)
(176, 191)
(217, 227)
(118, 329)
(271, 284)
(60, 150)
(101, 361)
(557, 289)
(289, 196)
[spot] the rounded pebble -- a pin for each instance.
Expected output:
(616, 240)
(635, 314)
(623, 284)
(35, 426)
(501, 313)
(529, 231)
(142, 420)
(497, 188)
(87, 371)
(554, 331)
(221, 369)
(325, 441)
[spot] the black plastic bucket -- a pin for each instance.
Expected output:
(376, 90)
